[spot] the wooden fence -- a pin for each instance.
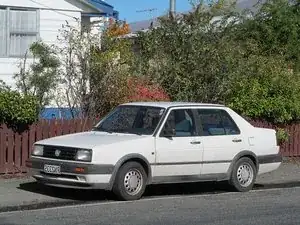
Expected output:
(15, 148)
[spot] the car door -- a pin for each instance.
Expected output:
(178, 156)
(221, 137)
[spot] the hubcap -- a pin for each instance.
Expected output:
(133, 182)
(245, 174)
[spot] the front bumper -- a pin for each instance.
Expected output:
(72, 174)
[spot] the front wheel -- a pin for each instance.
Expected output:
(130, 183)
(243, 175)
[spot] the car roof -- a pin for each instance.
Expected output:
(171, 104)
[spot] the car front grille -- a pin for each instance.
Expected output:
(65, 153)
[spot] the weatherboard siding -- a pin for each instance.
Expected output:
(51, 19)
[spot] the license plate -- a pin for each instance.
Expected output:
(52, 169)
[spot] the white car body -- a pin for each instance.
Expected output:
(166, 160)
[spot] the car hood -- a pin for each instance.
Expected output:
(89, 140)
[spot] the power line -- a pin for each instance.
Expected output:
(147, 10)
(151, 10)
(54, 10)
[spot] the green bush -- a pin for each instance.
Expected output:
(262, 88)
(282, 136)
(250, 66)
(17, 111)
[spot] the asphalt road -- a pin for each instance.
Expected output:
(263, 207)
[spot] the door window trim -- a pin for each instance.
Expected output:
(160, 130)
(199, 124)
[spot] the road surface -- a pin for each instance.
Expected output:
(263, 207)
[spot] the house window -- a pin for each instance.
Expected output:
(19, 28)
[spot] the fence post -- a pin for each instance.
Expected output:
(17, 148)
(25, 150)
(2, 149)
(10, 152)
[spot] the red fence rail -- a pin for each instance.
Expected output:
(15, 148)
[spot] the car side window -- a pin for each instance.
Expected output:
(182, 121)
(216, 122)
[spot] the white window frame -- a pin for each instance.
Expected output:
(8, 32)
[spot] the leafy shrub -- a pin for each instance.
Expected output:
(282, 136)
(143, 90)
(17, 111)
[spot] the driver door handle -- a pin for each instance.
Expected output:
(195, 142)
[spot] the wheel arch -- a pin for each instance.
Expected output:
(127, 158)
(242, 154)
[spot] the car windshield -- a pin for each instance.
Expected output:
(141, 120)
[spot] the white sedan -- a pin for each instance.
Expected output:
(144, 143)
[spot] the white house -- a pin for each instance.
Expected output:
(24, 21)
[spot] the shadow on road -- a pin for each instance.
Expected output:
(66, 193)
(277, 185)
(151, 191)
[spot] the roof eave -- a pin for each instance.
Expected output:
(91, 6)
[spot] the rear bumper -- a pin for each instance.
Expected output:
(72, 175)
(266, 159)
(269, 163)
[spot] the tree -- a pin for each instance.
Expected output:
(263, 88)
(275, 28)
(95, 68)
(187, 56)
(74, 50)
(117, 28)
(216, 54)
(41, 78)
(112, 67)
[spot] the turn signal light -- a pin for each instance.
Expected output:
(79, 170)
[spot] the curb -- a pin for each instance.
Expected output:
(40, 205)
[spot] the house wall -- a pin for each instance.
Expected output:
(41, 4)
(53, 14)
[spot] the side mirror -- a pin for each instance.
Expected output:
(169, 132)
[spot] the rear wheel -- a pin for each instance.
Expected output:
(243, 175)
(130, 183)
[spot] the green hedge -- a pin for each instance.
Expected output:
(17, 111)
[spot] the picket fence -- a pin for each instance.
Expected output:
(15, 147)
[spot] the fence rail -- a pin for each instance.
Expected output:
(15, 148)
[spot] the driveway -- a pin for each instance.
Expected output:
(263, 207)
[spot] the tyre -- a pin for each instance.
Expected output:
(130, 182)
(243, 175)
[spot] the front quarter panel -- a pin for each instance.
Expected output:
(117, 154)
(112, 153)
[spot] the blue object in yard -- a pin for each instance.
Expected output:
(59, 113)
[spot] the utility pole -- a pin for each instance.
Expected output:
(172, 8)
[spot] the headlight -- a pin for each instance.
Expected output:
(38, 150)
(84, 155)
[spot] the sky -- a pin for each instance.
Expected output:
(127, 8)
